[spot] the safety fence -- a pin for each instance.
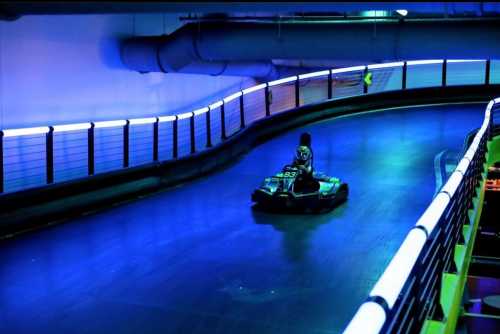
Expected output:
(409, 291)
(37, 156)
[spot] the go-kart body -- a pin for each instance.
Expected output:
(290, 190)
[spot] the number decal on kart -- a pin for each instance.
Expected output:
(289, 174)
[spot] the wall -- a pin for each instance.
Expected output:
(65, 69)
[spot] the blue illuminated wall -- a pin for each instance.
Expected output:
(61, 69)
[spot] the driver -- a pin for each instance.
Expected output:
(303, 160)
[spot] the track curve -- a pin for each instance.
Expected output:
(198, 259)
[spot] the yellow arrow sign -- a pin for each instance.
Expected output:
(368, 78)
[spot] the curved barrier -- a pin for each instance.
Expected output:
(432, 256)
(34, 157)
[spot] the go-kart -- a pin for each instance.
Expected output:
(289, 189)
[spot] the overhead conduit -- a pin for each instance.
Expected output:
(178, 53)
(247, 49)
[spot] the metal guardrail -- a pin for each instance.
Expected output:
(408, 292)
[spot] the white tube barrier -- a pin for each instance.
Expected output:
(215, 105)
(25, 131)
(139, 121)
(452, 184)
(201, 111)
(385, 65)
(109, 124)
(368, 320)
(434, 212)
(396, 274)
(282, 81)
(314, 74)
(254, 89)
(348, 69)
(232, 97)
(424, 62)
(166, 118)
(185, 115)
(71, 127)
(462, 166)
(465, 60)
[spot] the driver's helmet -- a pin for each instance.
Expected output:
(303, 154)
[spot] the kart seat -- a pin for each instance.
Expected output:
(306, 186)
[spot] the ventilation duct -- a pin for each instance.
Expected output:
(247, 49)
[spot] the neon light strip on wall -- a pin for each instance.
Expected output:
(385, 65)
(137, 121)
(314, 74)
(282, 81)
(254, 88)
(112, 123)
(71, 127)
(25, 131)
(425, 62)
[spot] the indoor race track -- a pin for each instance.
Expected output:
(198, 259)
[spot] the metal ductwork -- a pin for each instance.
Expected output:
(273, 7)
(177, 53)
(248, 49)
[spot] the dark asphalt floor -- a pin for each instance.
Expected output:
(198, 259)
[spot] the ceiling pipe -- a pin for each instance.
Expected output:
(106, 7)
(177, 53)
(233, 48)
(260, 70)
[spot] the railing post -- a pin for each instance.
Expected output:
(156, 126)
(175, 152)
(49, 155)
(191, 133)
(403, 79)
(1, 163)
(297, 93)
(443, 78)
(330, 85)
(90, 149)
(268, 102)
(242, 112)
(487, 72)
(491, 125)
(223, 121)
(365, 85)
(209, 128)
(126, 142)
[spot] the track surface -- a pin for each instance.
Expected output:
(198, 259)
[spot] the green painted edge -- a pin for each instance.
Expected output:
(493, 151)
(449, 286)
(452, 286)
(475, 202)
(466, 232)
(432, 326)
(459, 256)
(470, 214)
